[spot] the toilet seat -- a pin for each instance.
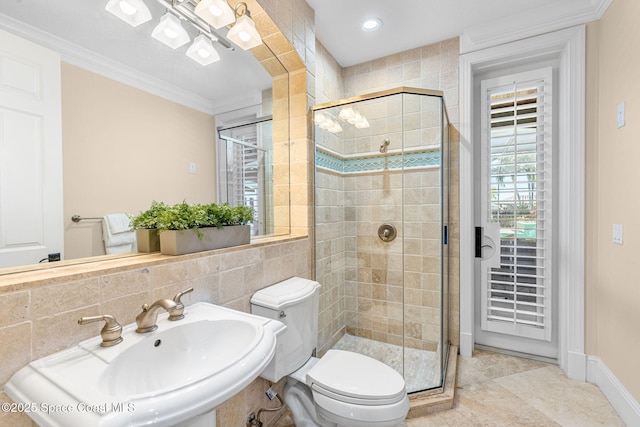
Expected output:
(354, 378)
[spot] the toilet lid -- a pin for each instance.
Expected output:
(356, 378)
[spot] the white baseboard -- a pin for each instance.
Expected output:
(466, 344)
(576, 368)
(625, 405)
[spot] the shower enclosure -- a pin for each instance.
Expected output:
(381, 211)
(245, 153)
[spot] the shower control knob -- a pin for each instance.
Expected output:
(387, 232)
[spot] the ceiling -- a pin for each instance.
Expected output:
(408, 24)
(86, 34)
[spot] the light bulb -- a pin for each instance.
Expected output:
(372, 24)
(355, 118)
(170, 33)
(127, 9)
(327, 124)
(202, 51)
(335, 128)
(244, 36)
(215, 10)
(346, 113)
(133, 12)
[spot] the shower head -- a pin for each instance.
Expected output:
(383, 147)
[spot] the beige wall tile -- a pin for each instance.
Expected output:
(16, 349)
(16, 308)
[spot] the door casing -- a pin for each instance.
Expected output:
(568, 46)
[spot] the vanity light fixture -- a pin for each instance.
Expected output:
(348, 114)
(362, 123)
(170, 32)
(327, 123)
(244, 32)
(203, 15)
(336, 128)
(216, 13)
(133, 12)
(202, 51)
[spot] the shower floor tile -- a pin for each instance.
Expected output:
(421, 367)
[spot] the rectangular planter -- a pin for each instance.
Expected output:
(148, 240)
(175, 242)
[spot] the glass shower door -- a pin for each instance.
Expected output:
(379, 210)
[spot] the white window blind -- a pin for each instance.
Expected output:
(517, 137)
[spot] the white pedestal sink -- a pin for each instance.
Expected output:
(167, 377)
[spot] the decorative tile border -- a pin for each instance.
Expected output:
(373, 162)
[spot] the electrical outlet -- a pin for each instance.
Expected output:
(192, 167)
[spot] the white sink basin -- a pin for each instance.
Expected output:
(166, 377)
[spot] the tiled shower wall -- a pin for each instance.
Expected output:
(391, 289)
(330, 256)
(429, 67)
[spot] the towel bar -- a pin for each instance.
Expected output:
(78, 218)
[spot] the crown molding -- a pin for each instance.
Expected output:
(106, 67)
(526, 24)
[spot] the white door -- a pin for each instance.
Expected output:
(515, 302)
(31, 215)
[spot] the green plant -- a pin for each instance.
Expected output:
(185, 216)
(149, 218)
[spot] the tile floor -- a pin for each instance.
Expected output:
(499, 390)
(496, 390)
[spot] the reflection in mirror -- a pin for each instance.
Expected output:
(138, 120)
(245, 159)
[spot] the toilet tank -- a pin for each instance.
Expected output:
(293, 302)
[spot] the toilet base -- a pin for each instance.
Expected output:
(306, 413)
(300, 401)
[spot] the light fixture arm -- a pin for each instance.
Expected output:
(180, 10)
(245, 11)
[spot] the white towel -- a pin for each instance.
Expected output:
(117, 234)
(118, 223)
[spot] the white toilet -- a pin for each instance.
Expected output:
(340, 389)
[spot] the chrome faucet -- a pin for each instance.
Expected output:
(146, 320)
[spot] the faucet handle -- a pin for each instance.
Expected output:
(178, 312)
(111, 333)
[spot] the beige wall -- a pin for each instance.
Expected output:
(123, 148)
(613, 289)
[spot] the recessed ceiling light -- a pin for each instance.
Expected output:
(372, 24)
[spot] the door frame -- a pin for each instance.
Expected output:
(569, 47)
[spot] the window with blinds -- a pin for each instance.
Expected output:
(518, 179)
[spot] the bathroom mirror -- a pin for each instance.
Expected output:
(149, 109)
